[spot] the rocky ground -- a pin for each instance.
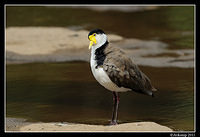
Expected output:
(57, 44)
(20, 125)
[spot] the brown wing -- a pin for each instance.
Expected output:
(124, 73)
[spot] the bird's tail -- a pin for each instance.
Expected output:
(148, 87)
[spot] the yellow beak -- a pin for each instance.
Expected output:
(92, 40)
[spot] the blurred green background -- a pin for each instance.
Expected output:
(171, 24)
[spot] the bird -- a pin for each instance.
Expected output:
(114, 70)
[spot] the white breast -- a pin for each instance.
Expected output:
(101, 76)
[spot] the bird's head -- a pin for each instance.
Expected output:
(97, 38)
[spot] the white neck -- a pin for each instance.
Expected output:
(101, 39)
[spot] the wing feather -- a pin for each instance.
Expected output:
(124, 73)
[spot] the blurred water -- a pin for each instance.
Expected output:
(67, 92)
(173, 25)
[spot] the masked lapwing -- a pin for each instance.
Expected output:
(114, 70)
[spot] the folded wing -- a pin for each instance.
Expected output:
(124, 73)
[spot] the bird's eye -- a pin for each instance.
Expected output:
(94, 34)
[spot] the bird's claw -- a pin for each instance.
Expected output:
(113, 123)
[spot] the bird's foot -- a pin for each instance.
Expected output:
(113, 123)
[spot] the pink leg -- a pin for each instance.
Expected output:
(115, 108)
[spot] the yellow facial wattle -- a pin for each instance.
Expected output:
(92, 40)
